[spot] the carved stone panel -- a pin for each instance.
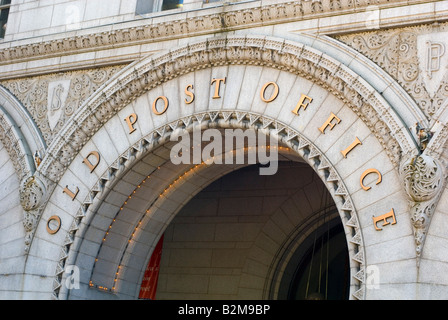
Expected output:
(53, 99)
(416, 57)
(423, 179)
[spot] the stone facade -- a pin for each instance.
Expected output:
(86, 178)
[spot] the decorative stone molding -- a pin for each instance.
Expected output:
(270, 52)
(403, 53)
(424, 179)
(227, 19)
(32, 197)
(53, 99)
(18, 151)
(286, 135)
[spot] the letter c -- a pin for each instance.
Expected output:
(366, 173)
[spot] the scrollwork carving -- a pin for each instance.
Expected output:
(423, 179)
(398, 52)
(32, 197)
(32, 191)
(36, 92)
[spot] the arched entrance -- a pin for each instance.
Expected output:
(150, 192)
(116, 191)
(319, 268)
(224, 242)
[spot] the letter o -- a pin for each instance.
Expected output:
(274, 95)
(154, 105)
(58, 225)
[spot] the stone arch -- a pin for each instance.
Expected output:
(19, 138)
(286, 57)
(19, 134)
(280, 54)
(294, 142)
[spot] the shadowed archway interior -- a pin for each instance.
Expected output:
(231, 238)
(223, 243)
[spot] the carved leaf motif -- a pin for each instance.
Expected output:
(33, 93)
(396, 52)
(423, 180)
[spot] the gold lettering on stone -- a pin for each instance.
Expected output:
(70, 193)
(217, 83)
(53, 224)
(189, 93)
(303, 103)
(274, 94)
(366, 173)
(351, 147)
(329, 123)
(384, 217)
(89, 164)
(131, 120)
(165, 105)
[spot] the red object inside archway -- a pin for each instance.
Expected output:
(149, 283)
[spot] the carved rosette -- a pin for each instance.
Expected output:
(32, 196)
(423, 179)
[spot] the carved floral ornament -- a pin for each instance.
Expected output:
(33, 194)
(416, 57)
(283, 55)
(53, 99)
(424, 178)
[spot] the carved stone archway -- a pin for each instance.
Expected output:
(19, 134)
(290, 139)
(114, 102)
(23, 141)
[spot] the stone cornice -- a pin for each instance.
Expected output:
(214, 20)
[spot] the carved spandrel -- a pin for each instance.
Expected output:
(53, 99)
(416, 57)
